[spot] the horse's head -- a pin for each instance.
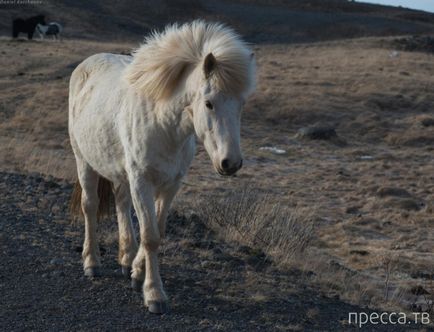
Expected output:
(211, 71)
(216, 117)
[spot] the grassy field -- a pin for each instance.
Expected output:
(361, 202)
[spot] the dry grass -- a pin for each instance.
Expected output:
(287, 236)
(34, 96)
(247, 216)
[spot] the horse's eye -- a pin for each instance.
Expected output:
(208, 105)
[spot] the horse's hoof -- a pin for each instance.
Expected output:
(92, 272)
(126, 271)
(157, 307)
(136, 284)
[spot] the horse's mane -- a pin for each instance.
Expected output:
(160, 62)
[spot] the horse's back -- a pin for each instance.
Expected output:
(101, 63)
(54, 28)
(96, 77)
(18, 21)
(95, 98)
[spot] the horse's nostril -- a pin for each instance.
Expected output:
(225, 164)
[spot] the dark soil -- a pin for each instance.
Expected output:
(211, 285)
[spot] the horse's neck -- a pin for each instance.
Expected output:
(171, 121)
(176, 123)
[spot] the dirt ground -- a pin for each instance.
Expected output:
(370, 190)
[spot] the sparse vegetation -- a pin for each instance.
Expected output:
(248, 216)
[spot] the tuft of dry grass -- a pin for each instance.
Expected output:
(250, 217)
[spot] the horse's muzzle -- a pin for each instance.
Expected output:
(227, 168)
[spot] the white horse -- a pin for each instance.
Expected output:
(52, 29)
(132, 121)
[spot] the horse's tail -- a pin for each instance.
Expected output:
(105, 196)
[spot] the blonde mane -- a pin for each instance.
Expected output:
(159, 64)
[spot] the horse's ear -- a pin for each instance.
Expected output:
(209, 65)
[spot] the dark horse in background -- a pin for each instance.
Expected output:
(27, 26)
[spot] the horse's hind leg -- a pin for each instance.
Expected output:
(88, 179)
(127, 237)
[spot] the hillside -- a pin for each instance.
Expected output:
(259, 21)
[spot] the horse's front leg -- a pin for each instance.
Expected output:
(145, 263)
(162, 205)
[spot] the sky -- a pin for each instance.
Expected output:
(427, 5)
